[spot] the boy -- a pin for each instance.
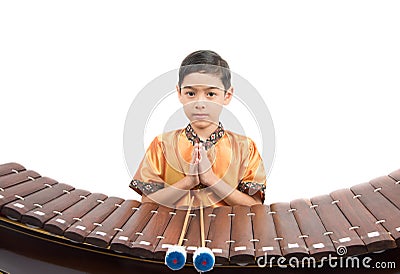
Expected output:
(216, 166)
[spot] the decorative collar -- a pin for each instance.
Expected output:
(212, 140)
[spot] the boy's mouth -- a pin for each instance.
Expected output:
(200, 116)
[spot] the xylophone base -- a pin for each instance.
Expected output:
(23, 251)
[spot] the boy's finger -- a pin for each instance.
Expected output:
(203, 152)
(198, 150)
(195, 154)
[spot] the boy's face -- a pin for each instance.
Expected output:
(203, 97)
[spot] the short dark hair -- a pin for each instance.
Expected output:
(205, 61)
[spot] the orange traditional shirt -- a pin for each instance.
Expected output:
(235, 159)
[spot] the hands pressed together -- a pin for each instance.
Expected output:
(200, 170)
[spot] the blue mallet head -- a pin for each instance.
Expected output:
(203, 259)
(175, 257)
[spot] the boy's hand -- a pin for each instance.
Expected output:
(207, 176)
(194, 167)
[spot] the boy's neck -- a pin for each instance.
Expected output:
(204, 132)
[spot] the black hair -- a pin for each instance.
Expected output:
(205, 61)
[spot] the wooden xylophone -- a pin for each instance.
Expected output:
(363, 219)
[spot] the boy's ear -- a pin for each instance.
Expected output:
(228, 96)
(178, 90)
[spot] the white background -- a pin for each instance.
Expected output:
(328, 72)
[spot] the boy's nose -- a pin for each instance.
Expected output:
(200, 104)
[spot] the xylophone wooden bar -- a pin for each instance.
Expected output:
(337, 225)
(22, 190)
(372, 233)
(193, 240)
(383, 210)
(10, 168)
(147, 241)
(17, 178)
(133, 227)
(388, 188)
(395, 175)
(312, 229)
(171, 234)
(58, 224)
(38, 217)
(264, 232)
(102, 235)
(81, 228)
(242, 240)
(15, 210)
(219, 234)
(287, 231)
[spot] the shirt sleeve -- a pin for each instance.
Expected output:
(150, 173)
(253, 181)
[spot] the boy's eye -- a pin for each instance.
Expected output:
(190, 93)
(211, 94)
